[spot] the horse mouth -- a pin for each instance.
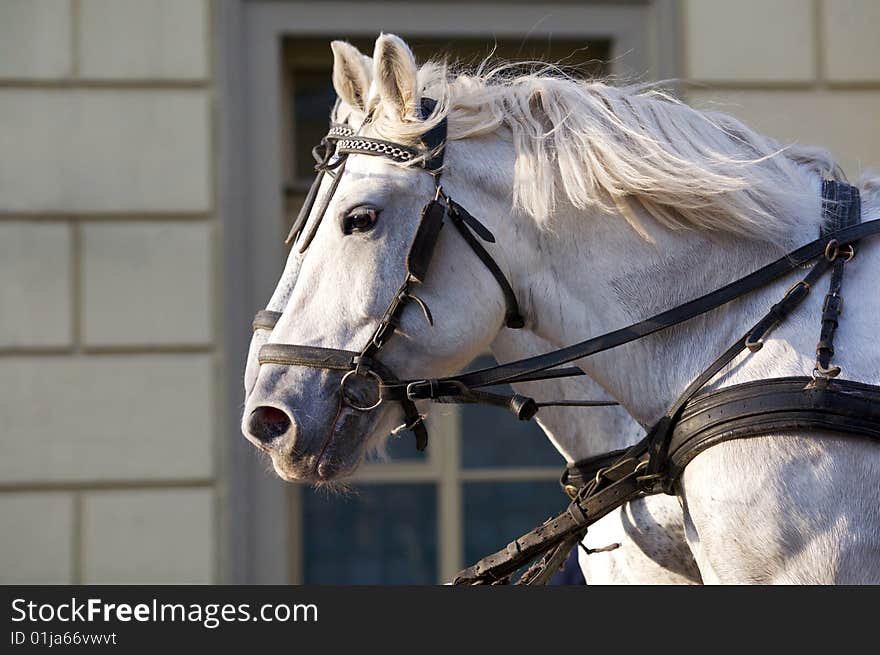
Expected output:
(312, 469)
(335, 456)
(344, 447)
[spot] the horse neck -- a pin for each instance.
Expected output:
(593, 274)
(576, 432)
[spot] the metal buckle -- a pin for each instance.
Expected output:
(571, 491)
(411, 387)
(380, 336)
(345, 398)
(799, 283)
(834, 250)
(602, 472)
(831, 297)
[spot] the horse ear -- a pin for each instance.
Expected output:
(351, 74)
(395, 73)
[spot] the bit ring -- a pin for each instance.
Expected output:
(348, 402)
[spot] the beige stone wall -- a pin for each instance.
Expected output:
(799, 70)
(108, 249)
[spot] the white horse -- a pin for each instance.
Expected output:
(649, 532)
(600, 198)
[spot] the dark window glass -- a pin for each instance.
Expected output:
(403, 447)
(313, 98)
(496, 513)
(493, 437)
(381, 534)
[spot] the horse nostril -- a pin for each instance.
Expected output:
(268, 423)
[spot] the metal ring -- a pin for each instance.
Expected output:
(820, 371)
(410, 389)
(348, 402)
(832, 250)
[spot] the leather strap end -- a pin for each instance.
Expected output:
(421, 434)
(523, 407)
(514, 321)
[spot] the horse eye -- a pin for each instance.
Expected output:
(360, 220)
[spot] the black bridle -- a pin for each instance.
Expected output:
(343, 141)
(601, 484)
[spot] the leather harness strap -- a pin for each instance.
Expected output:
(844, 204)
(520, 370)
(770, 406)
(579, 473)
(610, 493)
(464, 223)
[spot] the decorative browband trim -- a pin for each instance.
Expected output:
(363, 145)
(338, 131)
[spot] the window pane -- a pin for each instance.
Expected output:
(496, 513)
(381, 534)
(313, 98)
(493, 437)
(403, 447)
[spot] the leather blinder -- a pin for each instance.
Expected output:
(422, 249)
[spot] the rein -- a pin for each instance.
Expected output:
(694, 422)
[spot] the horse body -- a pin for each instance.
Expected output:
(625, 204)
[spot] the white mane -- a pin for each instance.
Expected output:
(626, 150)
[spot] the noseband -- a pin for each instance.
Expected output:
(343, 141)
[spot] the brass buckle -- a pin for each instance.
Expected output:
(571, 491)
(797, 284)
(650, 477)
(834, 250)
(602, 472)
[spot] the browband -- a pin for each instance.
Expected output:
(434, 141)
